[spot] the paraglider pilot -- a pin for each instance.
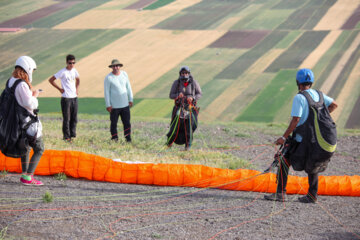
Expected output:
(186, 92)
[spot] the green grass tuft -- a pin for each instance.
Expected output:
(48, 197)
(60, 176)
(3, 173)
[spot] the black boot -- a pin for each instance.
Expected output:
(307, 199)
(280, 197)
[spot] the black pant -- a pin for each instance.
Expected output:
(69, 108)
(282, 177)
(30, 166)
(124, 113)
(182, 129)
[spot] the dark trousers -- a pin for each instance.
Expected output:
(69, 108)
(124, 113)
(282, 177)
(29, 165)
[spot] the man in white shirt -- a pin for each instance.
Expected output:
(118, 99)
(70, 81)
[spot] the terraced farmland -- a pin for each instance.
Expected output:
(243, 53)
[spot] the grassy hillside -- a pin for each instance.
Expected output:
(215, 144)
(244, 56)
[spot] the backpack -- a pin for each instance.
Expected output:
(319, 137)
(13, 138)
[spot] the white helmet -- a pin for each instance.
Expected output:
(26, 63)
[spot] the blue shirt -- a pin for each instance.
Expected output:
(300, 107)
(117, 90)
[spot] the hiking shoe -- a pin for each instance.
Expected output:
(33, 182)
(307, 199)
(68, 140)
(276, 197)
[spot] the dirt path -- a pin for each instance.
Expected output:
(85, 209)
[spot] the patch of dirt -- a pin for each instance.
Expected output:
(84, 209)
(35, 15)
(240, 39)
(353, 20)
(337, 15)
(140, 4)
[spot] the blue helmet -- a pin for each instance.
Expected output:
(304, 75)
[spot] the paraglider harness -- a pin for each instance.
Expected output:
(184, 107)
(282, 154)
(14, 122)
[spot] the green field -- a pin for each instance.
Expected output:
(63, 15)
(268, 19)
(298, 51)
(307, 15)
(334, 54)
(265, 107)
(22, 7)
(240, 65)
(51, 59)
(158, 4)
(197, 16)
(160, 108)
(247, 96)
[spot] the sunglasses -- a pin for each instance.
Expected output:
(116, 65)
(71, 63)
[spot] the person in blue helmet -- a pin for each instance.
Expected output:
(299, 114)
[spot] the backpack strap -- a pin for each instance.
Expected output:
(311, 101)
(13, 87)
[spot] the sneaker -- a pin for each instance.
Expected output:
(307, 199)
(276, 197)
(68, 140)
(187, 148)
(33, 182)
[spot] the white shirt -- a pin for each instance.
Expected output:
(68, 82)
(25, 99)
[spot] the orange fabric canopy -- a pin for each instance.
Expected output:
(93, 167)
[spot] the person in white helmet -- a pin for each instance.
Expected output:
(26, 97)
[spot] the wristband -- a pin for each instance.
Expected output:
(283, 138)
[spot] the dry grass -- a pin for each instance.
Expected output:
(323, 47)
(328, 84)
(347, 91)
(106, 18)
(337, 15)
